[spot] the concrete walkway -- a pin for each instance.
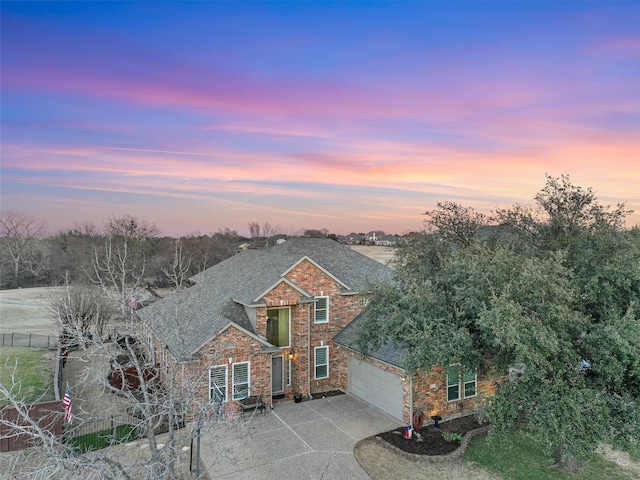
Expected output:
(313, 439)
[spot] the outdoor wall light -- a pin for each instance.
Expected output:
(291, 355)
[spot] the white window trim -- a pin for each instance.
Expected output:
(226, 381)
(288, 372)
(315, 310)
(462, 391)
(282, 308)
(452, 384)
(234, 384)
(315, 362)
(475, 382)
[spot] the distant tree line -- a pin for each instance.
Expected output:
(76, 255)
(29, 259)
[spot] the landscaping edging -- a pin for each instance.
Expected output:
(455, 455)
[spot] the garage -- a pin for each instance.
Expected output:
(376, 386)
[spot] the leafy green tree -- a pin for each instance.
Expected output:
(554, 297)
(562, 212)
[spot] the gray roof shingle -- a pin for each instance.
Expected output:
(387, 353)
(187, 319)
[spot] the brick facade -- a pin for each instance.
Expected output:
(305, 333)
(301, 283)
(429, 391)
(234, 345)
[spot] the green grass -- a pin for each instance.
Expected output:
(521, 459)
(103, 439)
(35, 371)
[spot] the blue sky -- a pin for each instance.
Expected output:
(340, 115)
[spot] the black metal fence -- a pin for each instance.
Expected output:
(28, 340)
(111, 423)
(102, 424)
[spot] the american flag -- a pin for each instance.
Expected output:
(66, 401)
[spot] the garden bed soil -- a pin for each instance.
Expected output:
(430, 440)
(330, 393)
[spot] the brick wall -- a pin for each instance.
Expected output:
(305, 333)
(430, 395)
(429, 390)
(234, 346)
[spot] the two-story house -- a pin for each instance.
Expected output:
(262, 322)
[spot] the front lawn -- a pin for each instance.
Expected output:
(34, 373)
(104, 438)
(523, 460)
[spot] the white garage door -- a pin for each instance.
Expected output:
(375, 386)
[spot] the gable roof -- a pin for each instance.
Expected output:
(387, 353)
(187, 319)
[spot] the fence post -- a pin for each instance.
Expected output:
(11, 340)
(113, 431)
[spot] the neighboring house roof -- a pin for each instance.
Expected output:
(189, 318)
(387, 353)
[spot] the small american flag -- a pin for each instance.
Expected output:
(66, 401)
(134, 303)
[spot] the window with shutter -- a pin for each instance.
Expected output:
(218, 383)
(240, 380)
(322, 362)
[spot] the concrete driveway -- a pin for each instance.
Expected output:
(313, 439)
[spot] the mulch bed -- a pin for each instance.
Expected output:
(330, 393)
(430, 440)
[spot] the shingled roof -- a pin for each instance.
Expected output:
(387, 353)
(187, 319)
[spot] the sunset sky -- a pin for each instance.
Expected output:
(349, 116)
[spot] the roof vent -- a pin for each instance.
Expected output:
(280, 241)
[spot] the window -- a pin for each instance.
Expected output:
(240, 380)
(470, 383)
(322, 310)
(461, 381)
(453, 383)
(321, 362)
(218, 383)
(278, 327)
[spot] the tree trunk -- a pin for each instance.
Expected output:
(567, 462)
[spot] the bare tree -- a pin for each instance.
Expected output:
(254, 230)
(19, 233)
(179, 267)
(36, 259)
(81, 310)
(161, 398)
(119, 264)
(130, 226)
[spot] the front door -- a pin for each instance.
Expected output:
(277, 375)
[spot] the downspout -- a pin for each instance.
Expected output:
(309, 348)
(271, 381)
(411, 401)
